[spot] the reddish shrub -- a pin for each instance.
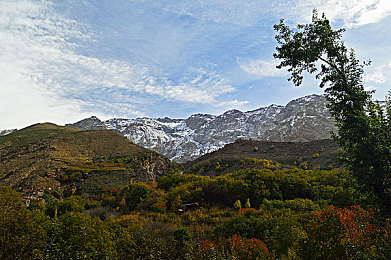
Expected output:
(336, 233)
(235, 247)
(243, 211)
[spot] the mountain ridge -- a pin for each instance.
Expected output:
(301, 120)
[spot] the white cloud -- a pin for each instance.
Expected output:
(262, 68)
(376, 77)
(353, 13)
(250, 13)
(44, 77)
(378, 74)
(232, 104)
(370, 88)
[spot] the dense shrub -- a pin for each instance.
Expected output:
(21, 233)
(234, 247)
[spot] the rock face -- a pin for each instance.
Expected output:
(303, 119)
(92, 123)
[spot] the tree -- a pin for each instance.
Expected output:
(237, 205)
(335, 233)
(133, 194)
(363, 125)
(183, 243)
(21, 234)
(247, 205)
(76, 236)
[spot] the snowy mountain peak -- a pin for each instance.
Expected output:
(302, 119)
(7, 131)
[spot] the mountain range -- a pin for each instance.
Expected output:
(301, 120)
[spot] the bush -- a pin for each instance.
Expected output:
(132, 194)
(235, 247)
(336, 233)
(21, 232)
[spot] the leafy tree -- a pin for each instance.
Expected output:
(237, 204)
(21, 235)
(247, 205)
(183, 243)
(336, 233)
(363, 125)
(77, 236)
(123, 239)
(133, 194)
(286, 234)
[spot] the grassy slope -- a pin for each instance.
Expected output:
(49, 156)
(32, 134)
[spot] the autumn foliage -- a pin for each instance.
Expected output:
(336, 233)
(235, 247)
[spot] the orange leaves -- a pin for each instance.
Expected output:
(244, 211)
(235, 247)
(337, 233)
(360, 229)
(159, 206)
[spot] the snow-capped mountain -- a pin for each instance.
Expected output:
(7, 131)
(303, 119)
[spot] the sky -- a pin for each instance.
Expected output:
(62, 61)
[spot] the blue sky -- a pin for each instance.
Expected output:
(62, 61)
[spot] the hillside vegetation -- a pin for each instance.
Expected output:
(322, 154)
(95, 195)
(64, 159)
(263, 211)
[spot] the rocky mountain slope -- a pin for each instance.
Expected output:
(69, 161)
(182, 140)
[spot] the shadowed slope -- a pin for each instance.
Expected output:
(320, 154)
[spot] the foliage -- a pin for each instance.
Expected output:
(237, 205)
(21, 232)
(183, 243)
(142, 221)
(363, 125)
(235, 247)
(336, 233)
(77, 236)
(260, 184)
(132, 194)
(70, 204)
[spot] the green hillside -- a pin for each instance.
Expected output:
(32, 134)
(68, 160)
